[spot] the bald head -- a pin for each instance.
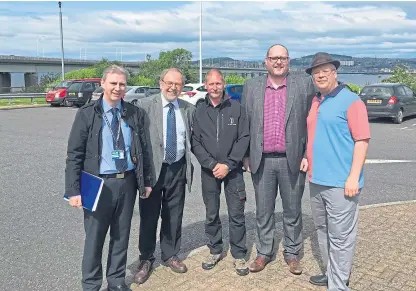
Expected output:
(279, 45)
(212, 72)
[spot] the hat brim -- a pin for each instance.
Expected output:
(335, 63)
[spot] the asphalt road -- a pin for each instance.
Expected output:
(42, 237)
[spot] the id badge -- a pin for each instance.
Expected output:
(117, 154)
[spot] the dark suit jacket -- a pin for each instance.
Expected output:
(153, 112)
(300, 92)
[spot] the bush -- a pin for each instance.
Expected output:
(400, 75)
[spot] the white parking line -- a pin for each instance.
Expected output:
(376, 161)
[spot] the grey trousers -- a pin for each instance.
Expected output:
(274, 174)
(335, 217)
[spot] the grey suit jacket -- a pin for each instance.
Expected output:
(300, 92)
(151, 108)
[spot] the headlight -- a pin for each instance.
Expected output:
(57, 95)
(80, 95)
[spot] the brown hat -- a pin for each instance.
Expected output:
(322, 59)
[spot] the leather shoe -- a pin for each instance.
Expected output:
(122, 287)
(143, 273)
(294, 266)
(259, 263)
(176, 265)
(321, 280)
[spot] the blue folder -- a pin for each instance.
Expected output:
(90, 188)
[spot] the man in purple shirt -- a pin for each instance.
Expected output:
(277, 106)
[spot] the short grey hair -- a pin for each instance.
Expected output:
(165, 71)
(212, 71)
(115, 69)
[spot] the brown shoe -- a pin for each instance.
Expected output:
(176, 265)
(294, 266)
(143, 273)
(259, 263)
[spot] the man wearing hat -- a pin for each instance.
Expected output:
(336, 150)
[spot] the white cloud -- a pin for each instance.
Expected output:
(241, 30)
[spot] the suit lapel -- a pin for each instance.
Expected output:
(290, 96)
(158, 109)
(261, 89)
(182, 109)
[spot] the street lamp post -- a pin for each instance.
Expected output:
(200, 43)
(62, 41)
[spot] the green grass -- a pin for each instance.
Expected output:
(21, 101)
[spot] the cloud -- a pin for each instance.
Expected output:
(242, 30)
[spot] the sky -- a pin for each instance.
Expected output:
(240, 30)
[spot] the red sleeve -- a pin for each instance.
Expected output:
(357, 118)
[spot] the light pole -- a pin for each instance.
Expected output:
(62, 41)
(200, 43)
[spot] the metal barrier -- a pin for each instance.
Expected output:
(12, 96)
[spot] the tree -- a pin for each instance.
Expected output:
(178, 58)
(140, 80)
(355, 88)
(234, 79)
(400, 75)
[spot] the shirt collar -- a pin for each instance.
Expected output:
(107, 107)
(270, 84)
(334, 92)
(165, 102)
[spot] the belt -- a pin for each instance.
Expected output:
(117, 175)
(274, 155)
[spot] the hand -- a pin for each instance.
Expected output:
(246, 164)
(147, 193)
(220, 171)
(351, 187)
(304, 165)
(75, 201)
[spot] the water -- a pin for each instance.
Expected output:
(361, 79)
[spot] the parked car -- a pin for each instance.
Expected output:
(193, 93)
(234, 91)
(97, 93)
(139, 92)
(56, 96)
(80, 91)
(389, 100)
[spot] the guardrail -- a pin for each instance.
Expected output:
(12, 96)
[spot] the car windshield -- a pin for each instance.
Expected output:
(75, 87)
(187, 88)
(379, 91)
(63, 84)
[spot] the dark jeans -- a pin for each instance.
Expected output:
(166, 200)
(235, 196)
(114, 212)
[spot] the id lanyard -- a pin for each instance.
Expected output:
(111, 130)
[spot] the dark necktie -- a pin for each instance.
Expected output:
(171, 146)
(121, 164)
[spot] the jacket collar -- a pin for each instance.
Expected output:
(124, 112)
(224, 99)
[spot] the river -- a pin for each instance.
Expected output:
(361, 79)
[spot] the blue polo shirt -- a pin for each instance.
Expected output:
(335, 122)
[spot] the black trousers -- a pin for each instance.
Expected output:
(166, 200)
(114, 211)
(235, 196)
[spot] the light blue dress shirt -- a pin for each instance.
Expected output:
(180, 129)
(108, 165)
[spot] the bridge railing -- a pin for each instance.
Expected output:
(11, 96)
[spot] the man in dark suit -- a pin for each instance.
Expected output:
(277, 106)
(168, 121)
(108, 140)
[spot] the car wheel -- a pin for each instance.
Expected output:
(399, 117)
(67, 103)
(134, 102)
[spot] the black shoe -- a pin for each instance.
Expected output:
(321, 280)
(119, 288)
(211, 261)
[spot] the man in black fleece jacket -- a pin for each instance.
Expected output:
(219, 141)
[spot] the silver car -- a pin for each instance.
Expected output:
(139, 92)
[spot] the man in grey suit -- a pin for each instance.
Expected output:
(277, 106)
(168, 121)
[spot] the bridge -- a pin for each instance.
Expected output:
(32, 66)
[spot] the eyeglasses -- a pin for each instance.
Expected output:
(323, 73)
(171, 84)
(276, 58)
